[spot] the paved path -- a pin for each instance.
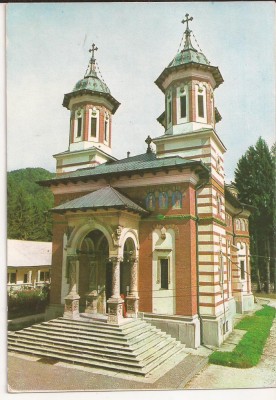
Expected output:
(28, 374)
(261, 376)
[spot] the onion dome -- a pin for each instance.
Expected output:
(91, 84)
(189, 57)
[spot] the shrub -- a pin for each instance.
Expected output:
(27, 302)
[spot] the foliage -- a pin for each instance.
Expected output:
(255, 181)
(21, 325)
(27, 302)
(28, 204)
(248, 351)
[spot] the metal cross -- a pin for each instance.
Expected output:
(94, 48)
(187, 21)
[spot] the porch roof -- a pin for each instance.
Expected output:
(104, 198)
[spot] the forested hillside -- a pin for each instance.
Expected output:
(28, 204)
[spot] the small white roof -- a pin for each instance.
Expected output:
(23, 253)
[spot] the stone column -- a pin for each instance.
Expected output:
(115, 303)
(71, 309)
(132, 299)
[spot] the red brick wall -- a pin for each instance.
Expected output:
(185, 268)
(145, 267)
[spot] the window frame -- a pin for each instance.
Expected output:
(159, 272)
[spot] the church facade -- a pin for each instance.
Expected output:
(159, 235)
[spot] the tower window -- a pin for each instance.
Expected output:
(183, 107)
(169, 112)
(242, 269)
(79, 127)
(164, 264)
(93, 131)
(105, 130)
(200, 104)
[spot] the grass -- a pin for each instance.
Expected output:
(248, 352)
(265, 295)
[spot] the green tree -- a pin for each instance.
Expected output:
(28, 205)
(255, 181)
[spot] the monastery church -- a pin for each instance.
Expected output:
(157, 237)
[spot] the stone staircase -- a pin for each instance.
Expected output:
(133, 347)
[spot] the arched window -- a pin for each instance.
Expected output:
(106, 127)
(201, 103)
(78, 124)
(219, 205)
(238, 226)
(163, 200)
(242, 225)
(93, 127)
(176, 200)
(150, 201)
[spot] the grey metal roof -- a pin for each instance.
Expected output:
(23, 253)
(92, 83)
(104, 198)
(189, 55)
(140, 163)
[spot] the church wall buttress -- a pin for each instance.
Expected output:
(145, 267)
(59, 227)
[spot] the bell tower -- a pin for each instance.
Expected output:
(189, 121)
(91, 108)
(190, 115)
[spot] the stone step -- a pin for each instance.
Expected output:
(137, 341)
(157, 362)
(133, 329)
(158, 348)
(77, 360)
(101, 340)
(74, 350)
(104, 362)
(68, 331)
(134, 347)
(101, 324)
(124, 351)
(128, 323)
(73, 342)
(131, 338)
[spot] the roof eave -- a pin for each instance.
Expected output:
(82, 92)
(166, 72)
(85, 209)
(64, 179)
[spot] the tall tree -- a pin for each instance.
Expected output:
(28, 204)
(255, 181)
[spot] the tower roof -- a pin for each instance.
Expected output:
(189, 57)
(91, 84)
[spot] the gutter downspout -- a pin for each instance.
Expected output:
(197, 258)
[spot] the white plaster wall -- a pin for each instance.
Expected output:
(163, 300)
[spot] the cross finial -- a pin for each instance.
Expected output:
(148, 141)
(92, 50)
(187, 21)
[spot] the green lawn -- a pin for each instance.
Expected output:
(249, 350)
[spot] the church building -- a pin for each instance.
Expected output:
(158, 236)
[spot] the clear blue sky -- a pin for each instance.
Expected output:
(47, 53)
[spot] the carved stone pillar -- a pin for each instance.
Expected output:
(132, 299)
(71, 309)
(115, 303)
